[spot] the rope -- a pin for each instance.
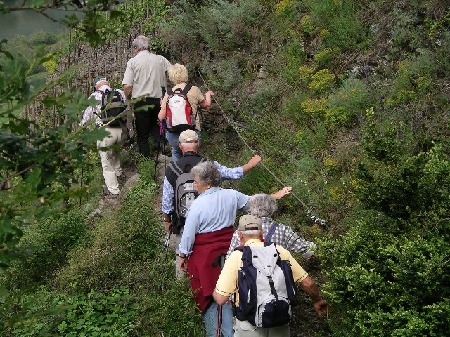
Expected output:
(317, 220)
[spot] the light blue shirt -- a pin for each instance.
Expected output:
(226, 173)
(213, 210)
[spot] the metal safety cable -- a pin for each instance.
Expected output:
(238, 131)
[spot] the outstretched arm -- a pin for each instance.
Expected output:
(320, 305)
(206, 103)
(251, 163)
(281, 193)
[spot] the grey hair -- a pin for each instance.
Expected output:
(206, 173)
(262, 205)
(178, 74)
(251, 233)
(140, 42)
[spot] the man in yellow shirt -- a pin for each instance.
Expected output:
(250, 234)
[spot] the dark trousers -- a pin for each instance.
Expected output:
(146, 119)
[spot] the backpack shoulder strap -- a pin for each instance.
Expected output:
(270, 232)
(117, 93)
(186, 89)
(175, 169)
(169, 91)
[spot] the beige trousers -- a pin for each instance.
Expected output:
(110, 159)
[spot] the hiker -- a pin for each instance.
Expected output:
(179, 118)
(189, 144)
(205, 239)
(264, 206)
(110, 157)
(143, 81)
(256, 316)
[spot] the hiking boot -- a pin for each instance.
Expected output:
(107, 193)
(122, 179)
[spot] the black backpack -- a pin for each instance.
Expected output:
(266, 287)
(112, 106)
(184, 195)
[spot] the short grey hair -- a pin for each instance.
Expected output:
(262, 205)
(206, 173)
(178, 74)
(140, 42)
(251, 233)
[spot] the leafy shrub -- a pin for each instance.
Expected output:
(414, 79)
(117, 246)
(348, 103)
(43, 248)
(340, 18)
(45, 313)
(378, 280)
(321, 81)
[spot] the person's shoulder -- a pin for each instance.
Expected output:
(284, 253)
(236, 254)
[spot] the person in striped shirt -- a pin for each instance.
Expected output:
(264, 206)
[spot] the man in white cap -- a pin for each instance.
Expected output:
(189, 143)
(109, 154)
(251, 235)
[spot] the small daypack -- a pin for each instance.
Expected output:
(179, 111)
(184, 194)
(266, 287)
(112, 106)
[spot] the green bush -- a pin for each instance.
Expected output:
(119, 243)
(377, 283)
(348, 103)
(345, 30)
(45, 313)
(44, 247)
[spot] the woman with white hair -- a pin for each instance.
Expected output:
(178, 75)
(264, 206)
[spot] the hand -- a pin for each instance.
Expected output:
(281, 193)
(255, 160)
(183, 264)
(321, 307)
(209, 93)
(168, 226)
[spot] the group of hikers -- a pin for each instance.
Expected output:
(249, 269)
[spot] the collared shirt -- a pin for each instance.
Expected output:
(214, 209)
(94, 112)
(146, 72)
(226, 173)
(283, 236)
(227, 283)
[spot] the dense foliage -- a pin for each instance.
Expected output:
(347, 101)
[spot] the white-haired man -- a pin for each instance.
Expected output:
(189, 144)
(144, 78)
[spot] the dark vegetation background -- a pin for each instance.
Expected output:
(347, 101)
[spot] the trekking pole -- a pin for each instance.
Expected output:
(219, 320)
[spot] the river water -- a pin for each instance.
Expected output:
(27, 22)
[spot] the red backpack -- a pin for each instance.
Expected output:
(179, 111)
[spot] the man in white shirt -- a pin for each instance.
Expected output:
(144, 78)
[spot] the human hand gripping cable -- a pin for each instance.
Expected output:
(281, 193)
